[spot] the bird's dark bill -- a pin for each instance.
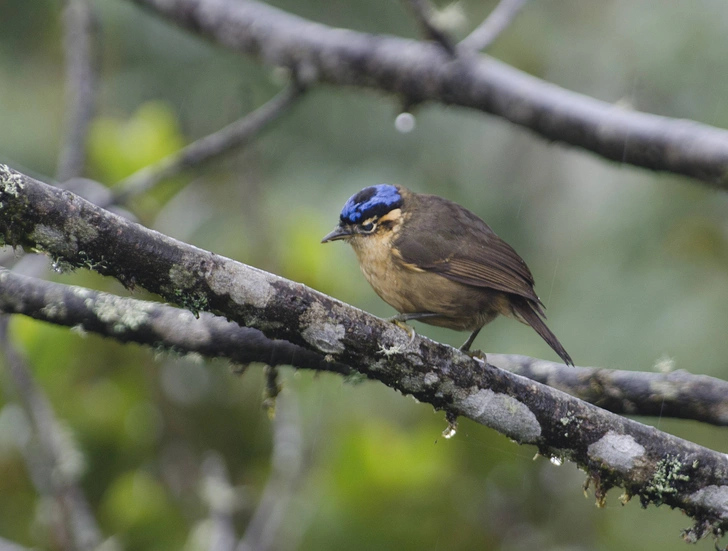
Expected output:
(340, 232)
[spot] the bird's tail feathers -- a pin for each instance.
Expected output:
(529, 313)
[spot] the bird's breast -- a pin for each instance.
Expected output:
(383, 273)
(408, 289)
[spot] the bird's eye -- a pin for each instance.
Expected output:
(368, 227)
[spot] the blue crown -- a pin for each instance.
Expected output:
(371, 201)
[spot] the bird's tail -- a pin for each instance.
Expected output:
(530, 313)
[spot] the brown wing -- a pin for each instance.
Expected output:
(443, 237)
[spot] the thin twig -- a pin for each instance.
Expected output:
(424, 11)
(498, 21)
(287, 464)
(57, 471)
(213, 145)
(79, 30)
(222, 499)
(7, 545)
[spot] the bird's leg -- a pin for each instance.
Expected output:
(401, 319)
(411, 316)
(466, 346)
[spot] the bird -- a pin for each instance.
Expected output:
(435, 261)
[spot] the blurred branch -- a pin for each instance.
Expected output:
(658, 468)
(79, 29)
(498, 21)
(151, 323)
(222, 500)
(264, 528)
(424, 12)
(234, 135)
(677, 394)
(6, 545)
(54, 469)
(419, 71)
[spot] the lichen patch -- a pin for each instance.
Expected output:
(320, 333)
(617, 451)
(502, 413)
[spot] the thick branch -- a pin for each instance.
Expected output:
(419, 71)
(676, 394)
(151, 323)
(657, 467)
(679, 394)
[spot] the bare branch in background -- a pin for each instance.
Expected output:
(498, 21)
(234, 135)
(288, 468)
(419, 71)
(6, 545)
(656, 467)
(54, 467)
(79, 29)
(222, 499)
(424, 11)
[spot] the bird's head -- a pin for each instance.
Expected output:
(375, 210)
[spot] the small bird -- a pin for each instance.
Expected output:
(437, 262)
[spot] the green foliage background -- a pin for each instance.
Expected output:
(632, 266)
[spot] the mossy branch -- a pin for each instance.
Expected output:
(614, 451)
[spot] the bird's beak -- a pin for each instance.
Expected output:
(340, 232)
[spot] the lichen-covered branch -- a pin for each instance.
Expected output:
(151, 323)
(654, 466)
(422, 71)
(676, 394)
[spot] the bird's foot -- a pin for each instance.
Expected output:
(396, 320)
(476, 354)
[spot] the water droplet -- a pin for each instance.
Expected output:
(451, 430)
(405, 123)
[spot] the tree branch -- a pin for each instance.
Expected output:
(54, 467)
(151, 323)
(424, 11)
(234, 135)
(78, 23)
(679, 394)
(614, 451)
(419, 71)
(498, 21)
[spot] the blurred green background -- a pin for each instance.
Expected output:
(631, 265)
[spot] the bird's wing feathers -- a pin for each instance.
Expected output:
(472, 255)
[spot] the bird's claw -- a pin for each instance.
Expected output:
(411, 330)
(477, 355)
